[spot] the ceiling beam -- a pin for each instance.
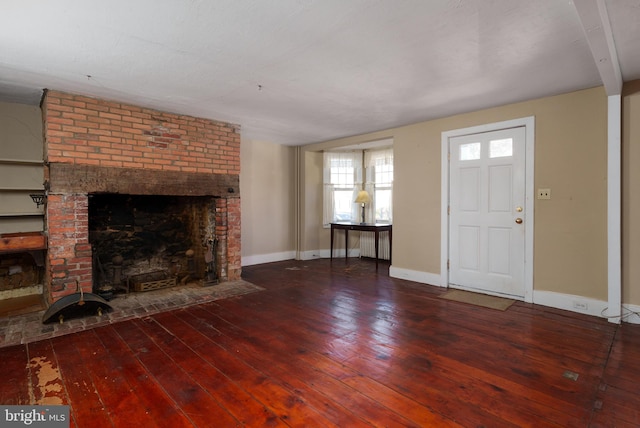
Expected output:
(597, 27)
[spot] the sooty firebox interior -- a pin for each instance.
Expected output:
(153, 238)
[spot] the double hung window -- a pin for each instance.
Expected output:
(346, 173)
(379, 184)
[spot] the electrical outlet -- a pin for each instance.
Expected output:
(580, 305)
(544, 193)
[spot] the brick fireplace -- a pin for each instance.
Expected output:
(95, 148)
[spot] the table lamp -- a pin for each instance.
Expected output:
(363, 198)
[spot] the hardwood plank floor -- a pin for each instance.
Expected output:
(336, 344)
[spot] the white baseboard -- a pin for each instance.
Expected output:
(584, 305)
(414, 275)
(310, 255)
(268, 258)
(326, 254)
(339, 253)
(570, 302)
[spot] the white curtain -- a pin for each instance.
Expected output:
(370, 208)
(381, 159)
(347, 174)
(328, 204)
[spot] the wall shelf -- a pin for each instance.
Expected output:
(31, 214)
(21, 162)
(22, 242)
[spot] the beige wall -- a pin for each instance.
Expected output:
(311, 203)
(631, 193)
(21, 135)
(21, 147)
(267, 192)
(570, 158)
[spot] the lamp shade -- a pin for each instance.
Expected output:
(363, 197)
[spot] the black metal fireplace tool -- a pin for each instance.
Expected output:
(211, 277)
(76, 305)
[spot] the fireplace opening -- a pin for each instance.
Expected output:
(143, 242)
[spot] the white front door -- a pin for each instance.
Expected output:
(487, 212)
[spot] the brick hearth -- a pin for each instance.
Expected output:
(96, 146)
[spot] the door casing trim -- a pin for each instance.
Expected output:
(529, 125)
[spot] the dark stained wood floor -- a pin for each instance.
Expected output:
(337, 345)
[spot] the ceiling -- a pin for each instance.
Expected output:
(301, 71)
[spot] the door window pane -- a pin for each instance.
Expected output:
(470, 151)
(501, 148)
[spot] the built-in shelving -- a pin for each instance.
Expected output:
(20, 178)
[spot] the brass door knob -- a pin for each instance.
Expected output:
(519, 220)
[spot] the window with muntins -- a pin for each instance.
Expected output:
(343, 179)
